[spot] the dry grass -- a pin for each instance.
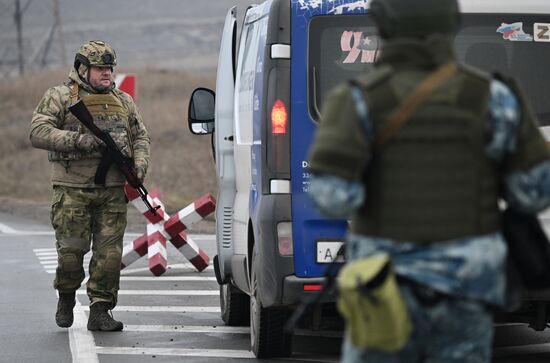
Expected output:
(181, 164)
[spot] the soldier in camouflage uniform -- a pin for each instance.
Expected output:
(428, 196)
(82, 210)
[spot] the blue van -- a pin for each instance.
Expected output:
(272, 244)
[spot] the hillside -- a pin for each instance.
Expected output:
(181, 164)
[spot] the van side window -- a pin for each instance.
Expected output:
(480, 45)
(246, 76)
(340, 48)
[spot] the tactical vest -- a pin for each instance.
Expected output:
(432, 180)
(78, 169)
(109, 114)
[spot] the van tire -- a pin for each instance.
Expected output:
(235, 306)
(267, 336)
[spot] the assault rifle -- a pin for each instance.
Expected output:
(113, 154)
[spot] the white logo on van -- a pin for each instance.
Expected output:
(514, 32)
(355, 44)
(541, 32)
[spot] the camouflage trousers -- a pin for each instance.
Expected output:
(84, 216)
(446, 330)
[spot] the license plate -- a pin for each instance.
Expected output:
(327, 251)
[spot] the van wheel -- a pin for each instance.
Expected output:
(234, 304)
(267, 336)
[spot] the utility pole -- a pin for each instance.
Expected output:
(60, 32)
(18, 20)
(57, 29)
(18, 17)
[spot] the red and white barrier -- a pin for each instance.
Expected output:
(126, 83)
(131, 252)
(162, 227)
(156, 250)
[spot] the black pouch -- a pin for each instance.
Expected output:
(528, 249)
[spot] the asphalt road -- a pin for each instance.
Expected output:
(171, 318)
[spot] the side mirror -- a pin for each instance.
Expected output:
(201, 111)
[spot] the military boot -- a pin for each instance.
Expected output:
(101, 319)
(64, 315)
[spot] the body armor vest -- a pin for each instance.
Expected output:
(109, 114)
(432, 181)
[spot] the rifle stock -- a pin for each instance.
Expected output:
(80, 111)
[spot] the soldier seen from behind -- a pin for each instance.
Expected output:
(424, 190)
(85, 210)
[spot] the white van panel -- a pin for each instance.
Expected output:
(245, 104)
(505, 6)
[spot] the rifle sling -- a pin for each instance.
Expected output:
(102, 169)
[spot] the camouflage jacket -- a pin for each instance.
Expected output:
(47, 131)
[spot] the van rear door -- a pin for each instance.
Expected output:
(326, 50)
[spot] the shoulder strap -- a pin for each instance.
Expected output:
(74, 93)
(398, 118)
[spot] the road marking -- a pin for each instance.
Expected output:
(81, 341)
(176, 266)
(167, 278)
(499, 325)
(203, 353)
(178, 352)
(46, 254)
(43, 249)
(529, 349)
(163, 292)
(188, 329)
(221, 330)
(164, 309)
(44, 259)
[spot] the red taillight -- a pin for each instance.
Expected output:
(279, 118)
(313, 287)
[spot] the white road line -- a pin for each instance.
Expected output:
(164, 309)
(187, 329)
(47, 258)
(163, 279)
(167, 278)
(163, 292)
(81, 341)
(178, 352)
(46, 254)
(220, 329)
(177, 266)
(203, 353)
(499, 325)
(517, 350)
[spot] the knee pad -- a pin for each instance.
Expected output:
(69, 262)
(113, 259)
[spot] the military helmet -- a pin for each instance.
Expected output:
(95, 53)
(418, 18)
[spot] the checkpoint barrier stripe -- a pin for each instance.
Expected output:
(191, 251)
(201, 208)
(156, 251)
(133, 251)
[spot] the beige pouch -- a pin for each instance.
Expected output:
(370, 301)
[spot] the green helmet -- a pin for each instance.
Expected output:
(95, 53)
(418, 18)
